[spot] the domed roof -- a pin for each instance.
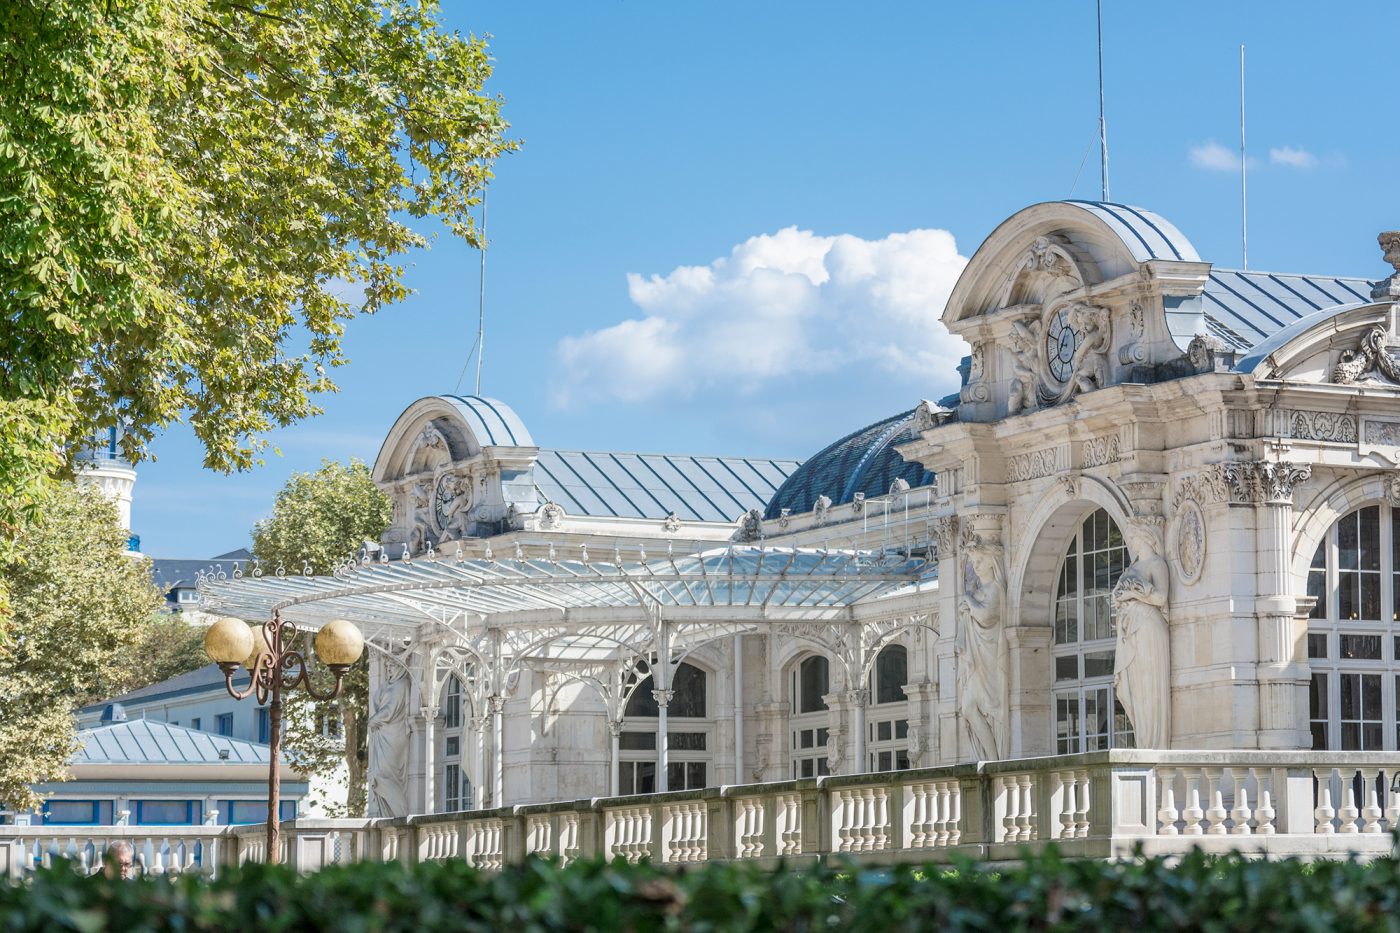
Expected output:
(864, 461)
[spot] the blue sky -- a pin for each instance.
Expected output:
(790, 187)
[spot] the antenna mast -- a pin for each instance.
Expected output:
(1244, 170)
(1103, 126)
(481, 297)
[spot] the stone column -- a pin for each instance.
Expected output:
(429, 714)
(858, 700)
(481, 783)
(497, 704)
(614, 782)
(1283, 671)
(663, 758)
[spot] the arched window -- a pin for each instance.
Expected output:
(687, 747)
(810, 682)
(887, 719)
(1354, 633)
(1087, 716)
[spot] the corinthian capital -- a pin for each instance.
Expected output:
(1263, 481)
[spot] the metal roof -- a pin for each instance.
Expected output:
(628, 485)
(196, 681)
(494, 423)
(1244, 309)
(1146, 234)
(577, 607)
(147, 742)
(864, 461)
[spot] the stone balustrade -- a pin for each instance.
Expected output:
(1098, 805)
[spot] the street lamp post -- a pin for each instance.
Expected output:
(276, 667)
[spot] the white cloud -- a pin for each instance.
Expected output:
(1293, 158)
(780, 306)
(1213, 157)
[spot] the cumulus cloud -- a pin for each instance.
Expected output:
(779, 306)
(1292, 158)
(1213, 157)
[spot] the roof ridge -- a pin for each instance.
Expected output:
(1301, 275)
(644, 453)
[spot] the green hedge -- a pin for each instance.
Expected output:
(1044, 893)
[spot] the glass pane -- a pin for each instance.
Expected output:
(1317, 589)
(694, 774)
(1317, 645)
(642, 702)
(901, 761)
(1098, 664)
(823, 767)
(1371, 697)
(1348, 548)
(637, 741)
(1371, 597)
(807, 736)
(1351, 695)
(177, 812)
(1369, 533)
(646, 777)
(1351, 736)
(1067, 667)
(886, 762)
(675, 776)
(891, 674)
(686, 741)
(901, 728)
(808, 765)
(1361, 647)
(821, 736)
(814, 675)
(1348, 596)
(689, 699)
(70, 811)
(884, 730)
(1317, 697)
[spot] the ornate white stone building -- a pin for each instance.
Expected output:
(1162, 512)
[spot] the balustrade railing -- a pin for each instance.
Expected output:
(1104, 804)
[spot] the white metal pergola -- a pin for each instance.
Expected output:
(595, 619)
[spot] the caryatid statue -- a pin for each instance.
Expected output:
(1142, 662)
(983, 657)
(388, 743)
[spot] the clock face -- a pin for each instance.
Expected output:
(1061, 340)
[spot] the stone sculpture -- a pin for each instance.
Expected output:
(1024, 382)
(983, 659)
(388, 744)
(1142, 661)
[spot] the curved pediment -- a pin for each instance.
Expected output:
(1058, 241)
(1352, 344)
(1071, 296)
(442, 429)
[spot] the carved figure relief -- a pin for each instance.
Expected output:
(420, 497)
(551, 515)
(751, 525)
(671, 524)
(976, 389)
(1142, 660)
(1190, 541)
(1201, 352)
(983, 655)
(1370, 362)
(1382, 433)
(452, 501)
(388, 744)
(1091, 356)
(821, 508)
(1024, 340)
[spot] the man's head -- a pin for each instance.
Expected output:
(120, 860)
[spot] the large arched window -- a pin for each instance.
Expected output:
(887, 717)
(808, 723)
(1353, 633)
(1087, 716)
(687, 744)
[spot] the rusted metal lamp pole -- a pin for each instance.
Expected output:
(276, 667)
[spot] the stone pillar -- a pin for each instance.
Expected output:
(481, 783)
(497, 704)
(1282, 668)
(429, 714)
(923, 724)
(614, 781)
(772, 743)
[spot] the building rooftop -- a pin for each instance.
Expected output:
(707, 489)
(205, 678)
(864, 461)
(1244, 309)
(147, 742)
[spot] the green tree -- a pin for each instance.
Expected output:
(166, 646)
(198, 194)
(320, 519)
(78, 605)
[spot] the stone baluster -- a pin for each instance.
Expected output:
(1241, 814)
(1193, 814)
(1264, 812)
(1167, 814)
(1027, 819)
(1006, 801)
(1348, 813)
(1392, 807)
(1371, 813)
(1324, 811)
(1084, 808)
(1216, 813)
(789, 827)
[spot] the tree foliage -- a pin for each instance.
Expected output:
(196, 195)
(166, 646)
(78, 604)
(320, 519)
